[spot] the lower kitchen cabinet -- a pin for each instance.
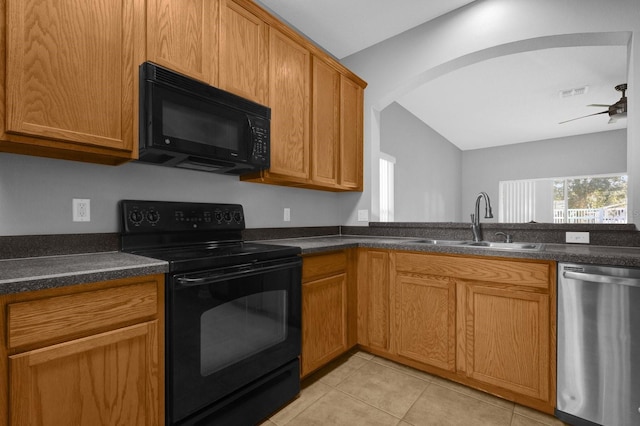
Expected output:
(488, 323)
(87, 354)
(328, 322)
(506, 339)
(374, 301)
(425, 320)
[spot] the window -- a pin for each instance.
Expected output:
(591, 199)
(387, 164)
(585, 199)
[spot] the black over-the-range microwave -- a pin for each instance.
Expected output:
(187, 123)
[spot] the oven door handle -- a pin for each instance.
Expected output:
(235, 272)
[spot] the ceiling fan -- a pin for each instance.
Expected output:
(615, 111)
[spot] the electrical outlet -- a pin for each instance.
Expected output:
(287, 214)
(81, 210)
(363, 215)
(577, 237)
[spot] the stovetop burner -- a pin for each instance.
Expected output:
(192, 236)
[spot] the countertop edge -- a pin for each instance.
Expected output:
(39, 273)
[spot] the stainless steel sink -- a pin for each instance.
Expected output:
(483, 244)
(442, 242)
(506, 246)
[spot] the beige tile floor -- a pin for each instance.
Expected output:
(362, 389)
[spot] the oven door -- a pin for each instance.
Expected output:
(227, 328)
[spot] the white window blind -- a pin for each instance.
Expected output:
(517, 201)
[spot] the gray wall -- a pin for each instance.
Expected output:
(435, 181)
(467, 35)
(427, 170)
(36, 194)
(592, 154)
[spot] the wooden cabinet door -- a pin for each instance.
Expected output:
(374, 300)
(106, 379)
(425, 319)
(244, 53)
(325, 135)
(71, 72)
(183, 36)
(351, 134)
(324, 325)
(289, 74)
(507, 339)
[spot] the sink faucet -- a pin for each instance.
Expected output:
(475, 217)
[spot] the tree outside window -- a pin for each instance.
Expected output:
(591, 199)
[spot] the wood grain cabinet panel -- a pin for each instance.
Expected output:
(374, 300)
(328, 308)
(71, 78)
(88, 354)
(107, 379)
(324, 328)
(183, 36)
(425, 322)
(289, 74)
(244, 53)
(325, 140)
(485, 322)
(351, 134)
(53, 318)
(507, 339)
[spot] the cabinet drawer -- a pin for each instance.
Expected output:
(314, 267)
(499, 271)
(73, 315)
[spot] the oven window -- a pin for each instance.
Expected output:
(241, 328)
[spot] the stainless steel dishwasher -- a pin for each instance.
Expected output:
(598, 345)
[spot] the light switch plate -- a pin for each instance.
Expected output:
(287, 214)
(577, 237)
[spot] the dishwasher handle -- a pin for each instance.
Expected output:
(604, 279)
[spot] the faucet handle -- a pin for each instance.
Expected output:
(508, 238)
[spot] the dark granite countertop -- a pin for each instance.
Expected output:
(38, 273)
(576, 253)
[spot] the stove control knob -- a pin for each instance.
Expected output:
(153, 216)
(237, 216)
(136, 217)
(217, 215)
(227, 216)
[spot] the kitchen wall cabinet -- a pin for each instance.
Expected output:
(244, 53)
(87, 354)
(325, 133)
(184, 36)
(488, 323)
(374, 300)
(289, 73)
(328, 315)
(336, 138)
(351, 134)
(70, 88)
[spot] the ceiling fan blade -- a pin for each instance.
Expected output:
(599, 105)
(585, 116)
